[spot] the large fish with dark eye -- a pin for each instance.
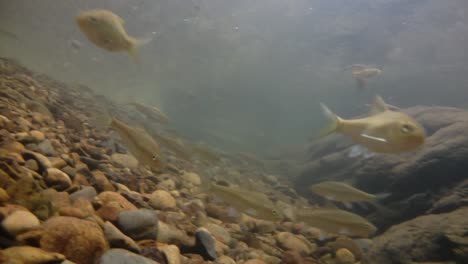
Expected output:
(145, 149)
(106, 30)
(385, 131)
(336, 221)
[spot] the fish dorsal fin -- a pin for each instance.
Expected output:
(378, 106)
(121, 21)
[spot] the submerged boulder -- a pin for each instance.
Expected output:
(429, 238)
(428, 172)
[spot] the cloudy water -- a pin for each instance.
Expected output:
(273, 96)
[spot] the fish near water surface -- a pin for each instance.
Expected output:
(255, 204)
(145, 149)
(336, 221)
(384, 131)
(106, 30)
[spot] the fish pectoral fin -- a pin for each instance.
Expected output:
(374, 138)
(251, 212)
(344, 231)
(358, 150)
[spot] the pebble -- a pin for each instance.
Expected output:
(205, 244)
(46, 148)
(254, 261)
(122, 256)
(344, 256)
(191, 177)
(87, 192)
(124, 160)
(108, 198)
(172, 254)
(290, 241)
(32, 165)
(37, 136)
(225, 260)
(171, 234)
(219, 232)
(43, 162)
(14, 146)
(81, 241)
(57, 179)
(4, 197)
(161, 200)
(20, 221)
(139, 224)
(117, 239)
(29, 255)
(23, 123)
(167, 185)
(101, 183)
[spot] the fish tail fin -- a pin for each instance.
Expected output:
(382, 196)
(135, 48)
(333, 121)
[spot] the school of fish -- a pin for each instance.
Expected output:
(385, 130)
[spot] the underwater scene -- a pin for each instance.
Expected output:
(234, 131)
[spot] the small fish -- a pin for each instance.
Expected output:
(342, 192)
(75, 45)
(384, 131)
(145, 149)
(205, 153)
(362, 72)
(106, 30)
(336, 221)
(151, 112)
(9, 34)
(255, 204)
(173, 144)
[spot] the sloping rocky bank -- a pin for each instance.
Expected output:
(71, 193)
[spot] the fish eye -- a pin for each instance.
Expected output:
(406, 128)
(275, 213)
(155, 157)
(93, 19)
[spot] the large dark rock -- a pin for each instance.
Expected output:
(416, 179)
(429, 238)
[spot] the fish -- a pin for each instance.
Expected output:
(362, 72)
(336, 221)
(9, 34)
(204, 152)
(76, 45)
(145, 149)
(106, 30)
(255, 204)
(384, 131)
(173, 144)
(151, 112)
(342, 192)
